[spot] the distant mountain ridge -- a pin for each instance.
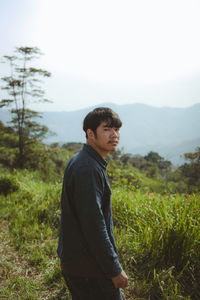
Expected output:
(169, 131)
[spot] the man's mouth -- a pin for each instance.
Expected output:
(113, 143)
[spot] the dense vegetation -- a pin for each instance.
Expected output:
(157, 229)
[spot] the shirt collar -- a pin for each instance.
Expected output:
(95, 155)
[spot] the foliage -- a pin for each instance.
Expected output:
(8, 184)
(193, 157)
(123, 173)
(152, 164)
(33, 217)
(154, 174)
(157, 236)
(151, 173)
(23, 88)
(123, 177)
(73, 147)
(49, 161)
(186, 178)
(8, 146)
(190, 172)
(158, 239)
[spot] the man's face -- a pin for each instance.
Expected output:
(106, 138)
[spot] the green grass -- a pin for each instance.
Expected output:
(159, 242)
(32, 214)
(157, 237)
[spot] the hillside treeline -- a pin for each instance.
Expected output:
(148, 173)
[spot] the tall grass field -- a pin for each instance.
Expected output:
(157, 235)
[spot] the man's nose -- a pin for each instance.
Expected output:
(115, 133)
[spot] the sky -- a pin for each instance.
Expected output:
(109, 51)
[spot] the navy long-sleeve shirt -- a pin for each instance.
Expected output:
(86, 213)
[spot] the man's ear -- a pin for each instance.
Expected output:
(90, 133)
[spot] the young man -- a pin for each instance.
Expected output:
(87, 247)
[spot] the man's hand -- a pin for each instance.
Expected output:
(120, 281)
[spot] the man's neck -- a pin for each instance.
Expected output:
(100, 151)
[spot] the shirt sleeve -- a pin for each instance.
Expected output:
(88, 186)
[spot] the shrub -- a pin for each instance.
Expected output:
(8, 184)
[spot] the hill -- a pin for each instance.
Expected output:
(168, 131)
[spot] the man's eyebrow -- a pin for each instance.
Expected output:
(109, 126)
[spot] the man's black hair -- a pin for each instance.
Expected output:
(101, 114)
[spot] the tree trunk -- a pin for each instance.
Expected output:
(21, 149)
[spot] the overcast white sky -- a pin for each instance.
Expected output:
(120, 51)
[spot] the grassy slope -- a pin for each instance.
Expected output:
(29, 219)
(157, 236)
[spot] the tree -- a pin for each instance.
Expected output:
(23, 88)
(191, 171)
(193, 157)
(157, 161)
(73, 146)
(153, 157)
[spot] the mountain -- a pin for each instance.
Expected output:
(169, 131)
